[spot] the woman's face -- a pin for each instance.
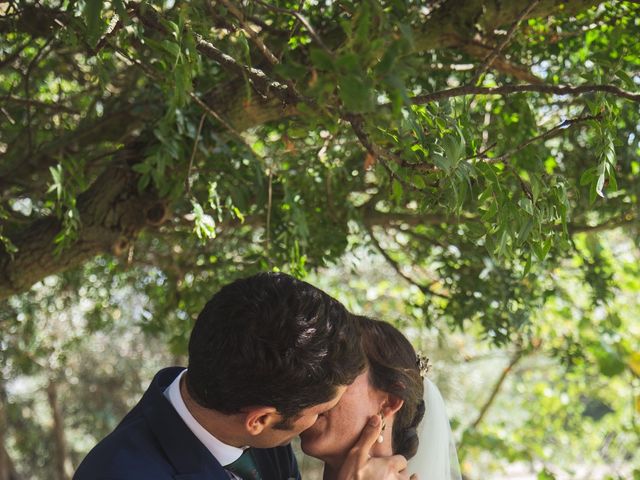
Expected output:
(337, 430)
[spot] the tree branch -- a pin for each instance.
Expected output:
(112, 212)
(517, 356)
(423, 288)
(502, 65)
(236, 12)
(261, 82)
(628, 218)
(510, 89)
(35, 103)
(302, 20)
(552, 132)
(488, 61)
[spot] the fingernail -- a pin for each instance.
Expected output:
(374, 421)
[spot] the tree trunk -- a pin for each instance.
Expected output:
(60, 446)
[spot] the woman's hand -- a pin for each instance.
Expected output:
(359, 465)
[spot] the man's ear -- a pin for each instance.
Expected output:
(390, 405)
(256, 419)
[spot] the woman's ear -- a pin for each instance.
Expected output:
(258, 418)
(390, 405)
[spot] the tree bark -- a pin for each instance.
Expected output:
(112, 212)
(60, 450)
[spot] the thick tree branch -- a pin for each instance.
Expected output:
(112, 212)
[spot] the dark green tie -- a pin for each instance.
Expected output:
(245, 467)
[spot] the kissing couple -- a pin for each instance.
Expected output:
(271, 358)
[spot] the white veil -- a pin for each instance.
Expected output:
(436, 458)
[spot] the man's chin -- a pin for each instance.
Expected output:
(308, 442)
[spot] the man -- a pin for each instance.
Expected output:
(267, 355)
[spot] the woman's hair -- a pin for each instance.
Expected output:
(393, 368)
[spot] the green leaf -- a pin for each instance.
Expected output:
(356, 93)
(171, 47)
(141, 167)
(609, 361)
(349, 63)
(92, 15)
(588, 176)
(321, 59)
(525, 230)
(121, 10)
(398, 191)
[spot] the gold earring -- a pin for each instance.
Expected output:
(384, 425)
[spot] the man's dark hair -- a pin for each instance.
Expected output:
(272, 340)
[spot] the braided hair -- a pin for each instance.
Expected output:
(393, 368)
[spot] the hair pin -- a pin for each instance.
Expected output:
(423, 364)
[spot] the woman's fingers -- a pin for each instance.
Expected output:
(368, 437)
(359, 465)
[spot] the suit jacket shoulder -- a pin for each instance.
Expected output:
(153, 443)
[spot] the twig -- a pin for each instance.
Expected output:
(11, 57)
(517, 356)
(552, 132)
(302, 20)
(423, 288)
(115, 25)
(257, 77)
(193, 153)
(260, 81)
(356, 123)
(27, 76)
(478, 49)
(625, 219)
(236, 12)
(37, 103)
(217, 116)
(509, 89)
(486, 63)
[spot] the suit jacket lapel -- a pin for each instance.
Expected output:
(191, 459)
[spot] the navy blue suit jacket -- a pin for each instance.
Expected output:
(153, 443)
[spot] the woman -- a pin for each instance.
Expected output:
(394, 387)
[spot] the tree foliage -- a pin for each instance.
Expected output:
(473, 139)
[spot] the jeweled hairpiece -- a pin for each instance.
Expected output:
(423, 364)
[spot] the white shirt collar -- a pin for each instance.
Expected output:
(225, 454)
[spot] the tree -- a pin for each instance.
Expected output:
(169, 147)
